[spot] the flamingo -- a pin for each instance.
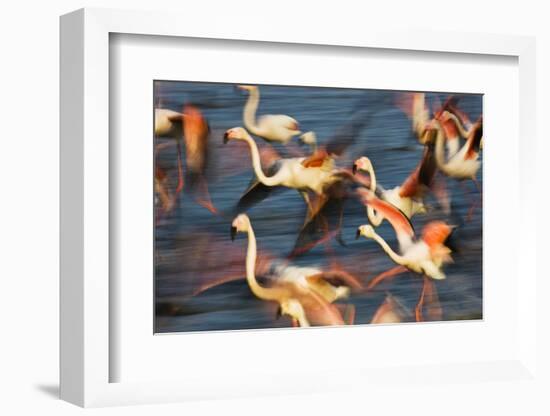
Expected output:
(332, 285)
(326, 218)
(274, 128)
(196, 135)
(393, 311)
(415, 107)
(465, 163)
(294, 296)
(168, 124)
(408, 196)
(462, 121)
(302, 174)
(425, 255)
(193, 127)
(390, 312)
(455, 124)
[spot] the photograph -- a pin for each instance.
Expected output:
(279, 206)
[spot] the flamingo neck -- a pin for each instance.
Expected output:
(257, 166)
(389, 251)
(251, 254)
(460, 127)
(313, 147)
(372, 215)
(250, 108)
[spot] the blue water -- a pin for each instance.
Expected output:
(193, 246)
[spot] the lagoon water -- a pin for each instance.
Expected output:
(193, 247)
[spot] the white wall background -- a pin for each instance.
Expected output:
(29, 207)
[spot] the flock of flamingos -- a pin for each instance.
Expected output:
(312, 295)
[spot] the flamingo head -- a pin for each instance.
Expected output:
(442, 116)
(236, 133)
(308, 138)
(430, 130)
(363, 164)
(365, 230)
(239, 225)
(248, 88)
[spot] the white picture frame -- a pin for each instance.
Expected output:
(85, 265)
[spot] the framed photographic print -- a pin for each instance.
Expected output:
(283, 213)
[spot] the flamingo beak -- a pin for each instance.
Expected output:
(225, 138)
(240, 89)
(357, 234)
(279, 313)
(233, 233)
(354, 169)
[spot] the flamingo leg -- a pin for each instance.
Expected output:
(439, 189)
(162, 146)
(329, 250)
(309, 213)
(339, 227)
(349, 314)
(204, 199)
(179, 188)
(475, 203)
(472, 203)
(477, 185)
(427, 287)
(166, 200)
(388, 274)
(433, 308)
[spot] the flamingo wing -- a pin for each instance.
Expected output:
(422, 177)
(474, 139)
(421, 113)
(320, 311)
(338, 278)
(326, 221)
(316, 160)
(320, 228)
(255, 194)
(399, 221)
(435, 234)
(449, 104)
(347, 134)
(257, 191)
(269, 157)
(391, 311)
(196, 133)
(210, 269)
(414, 106)
(280, 120)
